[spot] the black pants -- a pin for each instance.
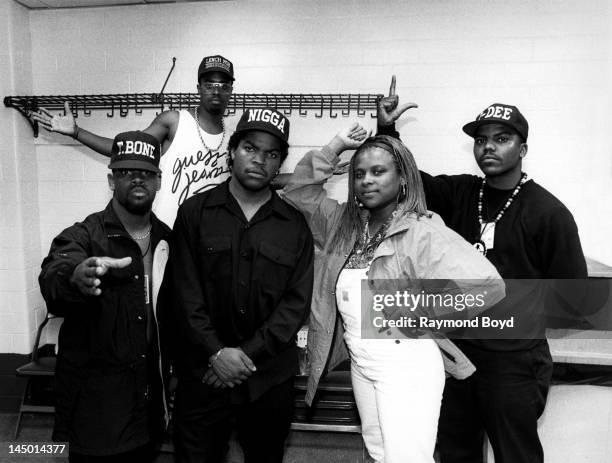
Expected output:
(504, 397)
(204, 418)
(144, 454)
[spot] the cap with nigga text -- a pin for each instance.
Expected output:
(267, 120)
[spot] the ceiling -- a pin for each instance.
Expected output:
(52, 4)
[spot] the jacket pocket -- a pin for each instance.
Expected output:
(277, 255)
(273, 267)
(216, 256)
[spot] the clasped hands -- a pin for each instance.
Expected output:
(229, 368)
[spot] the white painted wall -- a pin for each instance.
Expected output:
(21, 306)
(551, 58)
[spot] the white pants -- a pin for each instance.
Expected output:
(397, 384)
(398, 390)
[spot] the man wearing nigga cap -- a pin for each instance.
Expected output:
(103, 276)
(242, 273)
(527, 234)
(193, 141)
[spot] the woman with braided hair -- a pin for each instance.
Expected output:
(382, 232)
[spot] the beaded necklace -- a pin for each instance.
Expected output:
(479, 244)
(363, 251)
(197, 121)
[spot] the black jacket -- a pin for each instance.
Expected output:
(240, 284)
(536, 239)
(108, 384)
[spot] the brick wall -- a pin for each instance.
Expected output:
(551, 58)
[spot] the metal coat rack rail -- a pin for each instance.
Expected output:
(122, 103)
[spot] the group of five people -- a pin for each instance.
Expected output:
(246, 268)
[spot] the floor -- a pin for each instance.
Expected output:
(302, 447)
(576, 427)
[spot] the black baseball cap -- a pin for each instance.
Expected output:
(502, 114)
(267, 120)
(216, 63)
(135, 150)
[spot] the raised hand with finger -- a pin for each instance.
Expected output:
(389, 107)
(86, 276)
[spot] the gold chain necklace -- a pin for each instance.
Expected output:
(197, 121)
(142, 236)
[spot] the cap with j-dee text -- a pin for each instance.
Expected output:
(216, 63)
(501, 114)
(267, 120)
(135, 150)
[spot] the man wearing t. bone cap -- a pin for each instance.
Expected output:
(103, 275)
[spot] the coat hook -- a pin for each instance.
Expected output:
(320, 114)
(374, 112)
(332, 114)
(346, 112)
(112, 111)
(86, 111)
(231, 108)
(74, 108)
(360, 112)
(287, 110)
(301, 112)
(123, 111)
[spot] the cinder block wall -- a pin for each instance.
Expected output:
(21, 307)
(550, 58)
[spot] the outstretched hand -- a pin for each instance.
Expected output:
(86, 275)
(56, 123)
(389, 108)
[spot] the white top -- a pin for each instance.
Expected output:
(188, 167)
(348, 300)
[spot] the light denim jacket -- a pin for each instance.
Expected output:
(422, 248)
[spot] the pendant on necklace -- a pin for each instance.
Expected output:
(480, 247)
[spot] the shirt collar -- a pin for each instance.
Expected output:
(113, 225)
(221, 197)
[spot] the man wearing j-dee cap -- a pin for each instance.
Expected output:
(103, 276)
(242, 271)
(528, 234)
(193, 141)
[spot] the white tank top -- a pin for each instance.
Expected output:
(188, 167)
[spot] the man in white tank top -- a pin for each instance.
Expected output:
(194, 145)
